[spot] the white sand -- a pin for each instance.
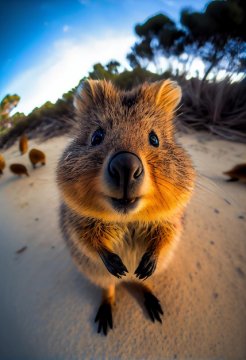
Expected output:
(47, 308)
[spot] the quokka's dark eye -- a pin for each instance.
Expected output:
(153, 139)
(97, 137)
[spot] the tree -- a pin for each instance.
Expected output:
(108, 72)
(158, 36)
(8, 103)
(216, 35)
(113, 67)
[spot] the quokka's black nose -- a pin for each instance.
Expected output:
(125, 169)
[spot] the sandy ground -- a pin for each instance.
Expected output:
(47, 308)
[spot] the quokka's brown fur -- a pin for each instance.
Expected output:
(23, 144)
(2, 164)
(18, 169)
(107, 242)
(238, 172)
(37, 156)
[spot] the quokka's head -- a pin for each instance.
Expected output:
(123, 163)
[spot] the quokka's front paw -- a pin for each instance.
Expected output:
(113, 263)
(146, 266)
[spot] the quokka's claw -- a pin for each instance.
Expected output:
(146, 266)
(113, 263)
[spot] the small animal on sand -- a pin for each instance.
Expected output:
(124, 185)
(2, 164)
(19, 169)
(37, 156)
(237, 173)
(23, 144)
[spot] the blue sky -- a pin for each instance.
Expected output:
(48, 46)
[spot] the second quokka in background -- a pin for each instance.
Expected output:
(238, 172)
(124, 183)
(37, 157)
(2, 164)
(23, 144)
(18, 169)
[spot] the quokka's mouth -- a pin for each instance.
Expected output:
(124, 205)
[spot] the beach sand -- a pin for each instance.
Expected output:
(47, 308)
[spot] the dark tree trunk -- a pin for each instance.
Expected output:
(214, 62)
(212, 65)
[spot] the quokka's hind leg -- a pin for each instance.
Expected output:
(104, 313)
(151, 303)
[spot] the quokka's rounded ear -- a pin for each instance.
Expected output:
(167, 94)
(85, 94)
(93, 92)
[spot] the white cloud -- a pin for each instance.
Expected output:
(62, 69)
(66, 28)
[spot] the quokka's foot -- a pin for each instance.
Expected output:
(104, 317)
(146, 266)
(232, 179)
(153, 306)
(113, 263)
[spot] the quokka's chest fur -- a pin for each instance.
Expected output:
(81, 232)
(130, 241)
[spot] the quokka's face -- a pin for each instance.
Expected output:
(123, 164)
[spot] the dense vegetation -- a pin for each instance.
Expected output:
(217, 36)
